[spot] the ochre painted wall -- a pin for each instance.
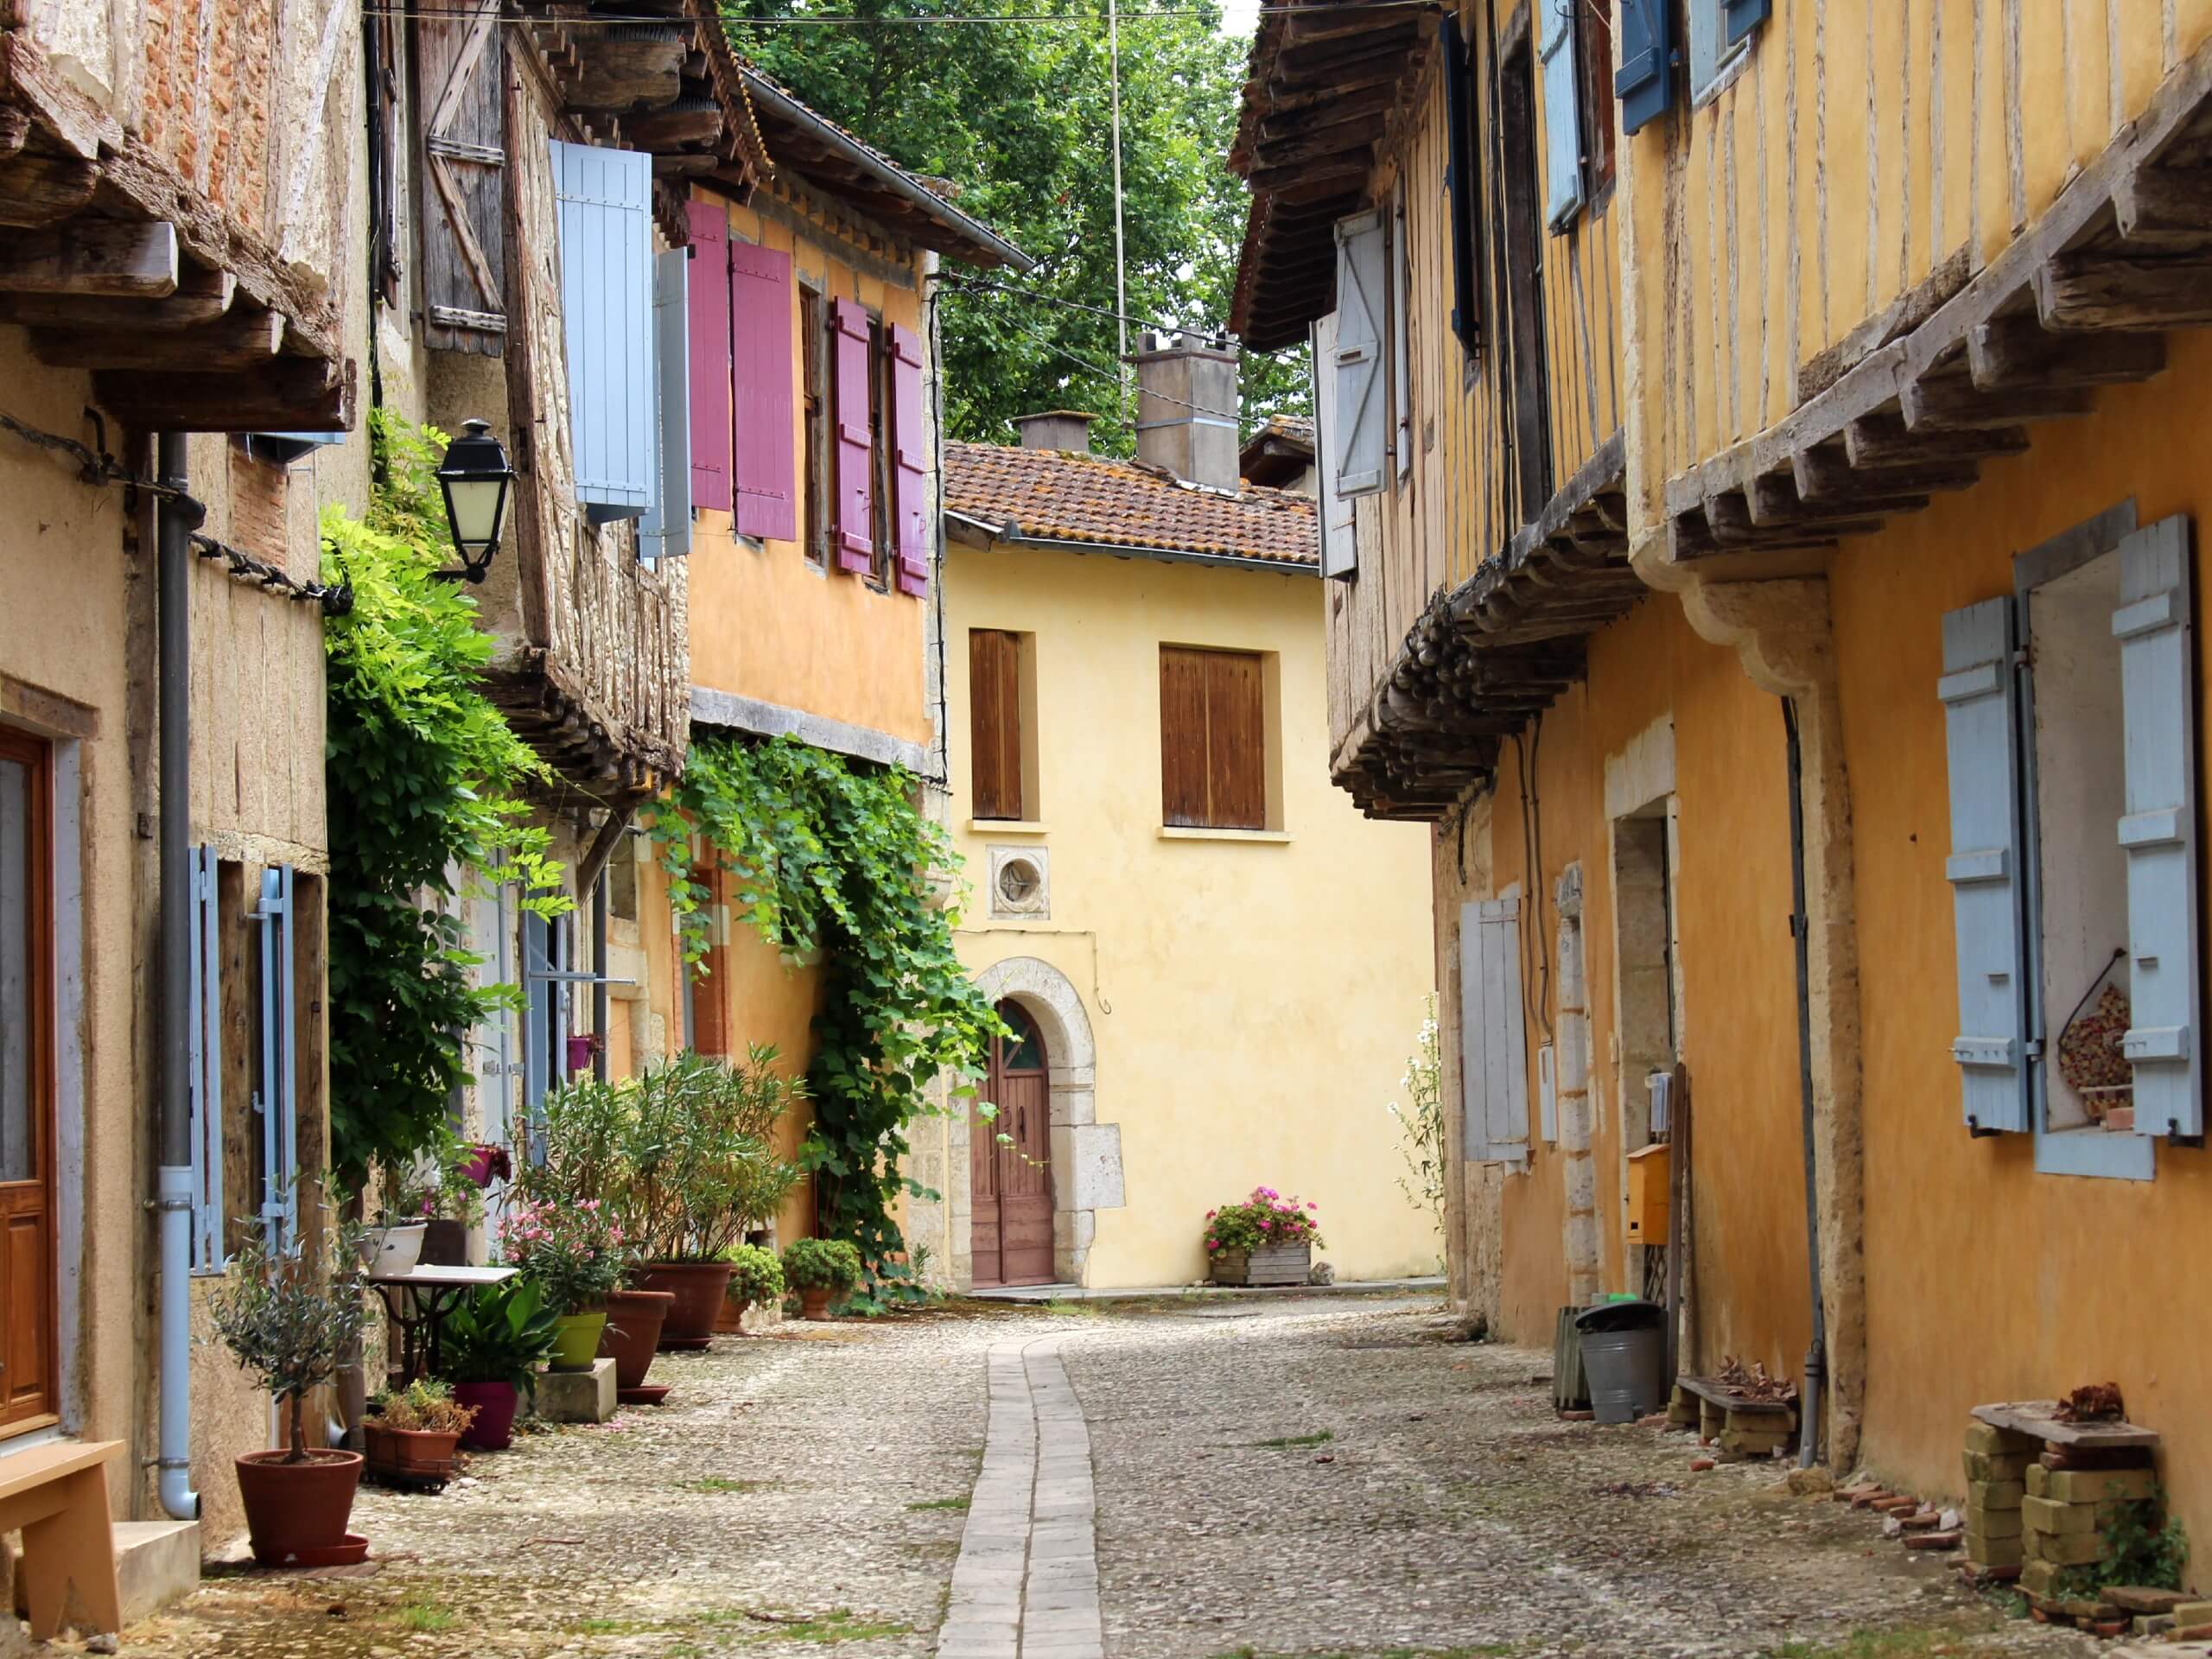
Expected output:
(1253, 1001)
(767, 624)
(1986, 1281)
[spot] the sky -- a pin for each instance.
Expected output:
(1238, 16)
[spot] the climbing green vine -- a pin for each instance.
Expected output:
(836, 857)
(422, 778)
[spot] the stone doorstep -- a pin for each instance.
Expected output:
(156, 1562)
(577, 1396)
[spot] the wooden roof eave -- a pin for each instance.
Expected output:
(187, 320)
(2081, 299)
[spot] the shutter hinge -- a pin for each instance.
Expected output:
(2033, 1049)
(2023, 658)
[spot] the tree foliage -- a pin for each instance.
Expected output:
(1019, 116)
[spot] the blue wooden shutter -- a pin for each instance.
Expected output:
(1461, 184)
(1740, 17)
(1493, 1042)
(208, 1254)
(665, 532)
(2158, 715)
(1644, 82)
(1981, 694)
(1339, 545)
(277, 1098)
(606, 309)
(1562, 111)
(1360, 406)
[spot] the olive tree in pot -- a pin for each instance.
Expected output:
(290, 1317)
(821, 1269)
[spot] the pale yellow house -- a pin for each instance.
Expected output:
(1217, 967)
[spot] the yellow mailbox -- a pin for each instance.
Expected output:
(1647, 1194)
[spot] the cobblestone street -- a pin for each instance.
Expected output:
(1293, 1477)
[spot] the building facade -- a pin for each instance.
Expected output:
(1769, 569)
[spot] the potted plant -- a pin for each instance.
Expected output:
(574, 1254)
(632, 1337)
(1266, 1240)
(492, 1339)
(819, 1268)
(756, 1279)
(407, 1198)
(290, 1317)
(412, 1433)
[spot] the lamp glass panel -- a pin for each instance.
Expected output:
(475, 506)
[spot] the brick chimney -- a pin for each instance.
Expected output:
(1055, 428)
(1187, 406)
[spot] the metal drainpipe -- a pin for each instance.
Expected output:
(175, 520)
(599, 997)
(1816, 1350)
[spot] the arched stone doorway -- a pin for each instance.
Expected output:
(1084, 1155)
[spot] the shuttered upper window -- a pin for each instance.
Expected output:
(1213, 739)
(1002, 724)
(607, 309)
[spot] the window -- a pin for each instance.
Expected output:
(605, 232)
(1213, 747)
(1597, 30)
(1493, 1041)
(27, 1072)
(1721, 34)
(1462, 186)
(813, 343)
(2071, 739)
(1521, 279)
(879, 451)
(1002, 724)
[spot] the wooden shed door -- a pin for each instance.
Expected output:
(1011, 1180)
(27, 1345)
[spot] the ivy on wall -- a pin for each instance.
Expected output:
(423, 781)
(836, 857)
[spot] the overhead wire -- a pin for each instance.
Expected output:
(950, 19)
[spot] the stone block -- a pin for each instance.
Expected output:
(2050, 1514)
(577, 1396)
(1753, 1442)
(2066, 1548)
(2153, 1624)
(1995, 1494)
(2101, 1485)
(156, 1562)
(1994, 1465)
(2000, 1442)
(1993, 1523)
(1995, 1552)
(2189, 1614)
(2038, 1481)
(1682, 1408)
(2142, 1598)
(2040, 1578)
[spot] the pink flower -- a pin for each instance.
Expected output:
(1210, 1214)
(1265, 1225)
(1211, 1245)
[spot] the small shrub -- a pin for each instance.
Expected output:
(755, 1274)
(425, 1406)
(832, 1264)
(1267, 1217)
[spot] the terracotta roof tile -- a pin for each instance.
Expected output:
(1060, 495)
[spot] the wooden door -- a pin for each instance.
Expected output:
(26, 1081)
(1009, 1162)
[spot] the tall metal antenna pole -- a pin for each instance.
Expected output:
(1120, 274)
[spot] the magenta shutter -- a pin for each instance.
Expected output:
(909, 514)
(760, 366)
(709, 337)
(856, 487)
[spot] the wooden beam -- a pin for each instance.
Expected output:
(2018, 352)
(1368, 100)
(679, 124)
(294, 394)
(202, 297)
(1825, 475)
(1305, 181)
(110, 256)
(2172, 206)
(248, 339)
(2114, 292)
(40, 190)
(1950, 404)
(1883, 441)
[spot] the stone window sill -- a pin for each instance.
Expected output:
(1265, 837)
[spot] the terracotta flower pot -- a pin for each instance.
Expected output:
(634, 1324)
(814, 1301)
(410, 1454)
(577, 1343)
(729, 1318)
(697, 1287)
(296, 1510)
(495, 1403)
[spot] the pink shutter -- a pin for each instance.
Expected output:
(909, 512)
(855, 486)
(761, 363)
(709, 338)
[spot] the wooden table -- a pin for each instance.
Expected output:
(417, 1301)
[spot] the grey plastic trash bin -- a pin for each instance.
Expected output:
(1624, 1356)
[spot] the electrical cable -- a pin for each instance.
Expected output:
(834, 20)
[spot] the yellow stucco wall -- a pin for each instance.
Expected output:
(1986, 1281)
(1252, 1001)
(764, 622)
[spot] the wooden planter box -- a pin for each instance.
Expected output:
(401, 1456)
(1271, 1264)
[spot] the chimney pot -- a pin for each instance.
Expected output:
(1055, 428)
(1187, 406)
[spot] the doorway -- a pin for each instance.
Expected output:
(27, 1072)
(1009, 1161)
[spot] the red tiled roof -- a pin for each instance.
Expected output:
(1060, 495)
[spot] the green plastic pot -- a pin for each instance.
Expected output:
(575, 1342)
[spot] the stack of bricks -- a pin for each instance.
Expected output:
(1998, 1464)
(1739, 1434)
(2064, 1515)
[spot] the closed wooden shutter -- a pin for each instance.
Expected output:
(1740, 17)
(855, 486)
(761, 354)
(909, 510)
(1493, 1041)
(1360, 407)
(708, 324)
(2155, 626)
(1562, 111)
(461, 72)
(1462, 185)
(1339, 543)
(995, 722)
(665, 532)
(1213, 739)
(1981, 695)
(606, 309)
(1644, 82)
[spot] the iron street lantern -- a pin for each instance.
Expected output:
(476, 477)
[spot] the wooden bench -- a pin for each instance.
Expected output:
(57, 1493)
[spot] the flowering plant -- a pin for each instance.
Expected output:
(575, 1253)
(1266, 1218)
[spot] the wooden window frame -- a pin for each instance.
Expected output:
(814, 405)
(1595, 63)
(882, 537)
(1211, 816)
(1025, 755)
(37, 757)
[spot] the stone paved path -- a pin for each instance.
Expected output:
(1171, 1481)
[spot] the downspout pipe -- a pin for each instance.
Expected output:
(176, 516)
(1816, 1350)
(600, 1011)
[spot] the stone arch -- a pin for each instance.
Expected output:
(1086, 1155)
